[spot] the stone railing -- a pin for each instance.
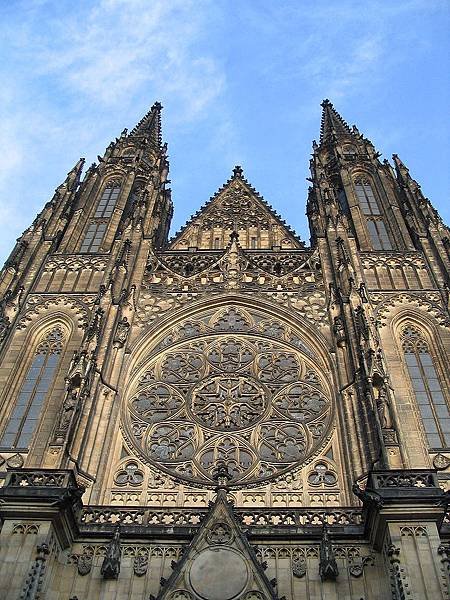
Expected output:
(192, 517)
(40, 478)
(419, 478)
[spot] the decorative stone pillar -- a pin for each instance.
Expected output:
(38, 511)
(404, 511)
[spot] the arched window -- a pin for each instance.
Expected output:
(95, 232)
(371, 210)
(34, 389)
(427, 388)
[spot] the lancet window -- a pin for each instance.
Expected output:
(97, 227)
(371, 210)
(427, 388)
(35, 387)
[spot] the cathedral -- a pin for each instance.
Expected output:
(227, 414)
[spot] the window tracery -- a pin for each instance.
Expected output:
(232, 394)
(35, 387)
(427, 388)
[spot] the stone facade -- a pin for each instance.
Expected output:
(229, 414)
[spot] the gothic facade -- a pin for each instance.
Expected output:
(228, 414)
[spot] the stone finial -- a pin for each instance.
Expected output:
(238, 171)
(222, 475)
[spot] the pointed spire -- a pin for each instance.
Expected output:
(332, 123)
(150, 125)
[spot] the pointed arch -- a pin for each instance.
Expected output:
(34, 389)
(426, 384)
(371, 210)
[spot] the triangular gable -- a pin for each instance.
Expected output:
(236, 206)
(219, 563)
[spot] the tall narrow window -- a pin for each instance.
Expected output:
(34, 389)
(108, 201)
(93, 237)
(95, 232)
(427, 389)
(371, 210)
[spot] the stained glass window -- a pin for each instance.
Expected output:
(427, 389)
(37, 382)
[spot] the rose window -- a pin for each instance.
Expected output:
(260, 405)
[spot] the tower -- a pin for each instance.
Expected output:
(228, 413)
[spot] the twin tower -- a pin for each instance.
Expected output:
(228, 414)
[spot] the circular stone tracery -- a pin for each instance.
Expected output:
(256, 403)
(228, 403)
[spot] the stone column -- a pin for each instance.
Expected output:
(404, 511)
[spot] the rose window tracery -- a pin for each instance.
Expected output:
(230, 395)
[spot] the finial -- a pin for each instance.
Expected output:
(157, 106)
(222, 476)
(237, 171)
(325, 102)
(234, 236)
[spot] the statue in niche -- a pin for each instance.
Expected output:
(383, 408)
(123, 327)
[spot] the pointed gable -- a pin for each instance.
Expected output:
(219, 563)
(236, 206)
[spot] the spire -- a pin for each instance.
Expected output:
(332, 123)
(150, 125)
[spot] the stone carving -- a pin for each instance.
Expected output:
(84, 564)
(34, 581)
(129, 475)
(431, 305)
(37, 304)
(9, 306)
(26, 528)
(249, 517)
(140, 565)
(15, 461)
(441, 462)
(265, 396)
(219, 533)
(357, 565)
(111, 564)
(299, 567)
(328, 569)
(122, 330)
(322, 476)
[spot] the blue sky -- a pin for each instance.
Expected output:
(241, 83)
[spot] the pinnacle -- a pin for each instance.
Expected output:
(332, 123)
(150, 125)
(238, 172)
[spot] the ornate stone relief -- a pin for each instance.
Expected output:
(430, 302)
(253, 402)
(37, 304)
